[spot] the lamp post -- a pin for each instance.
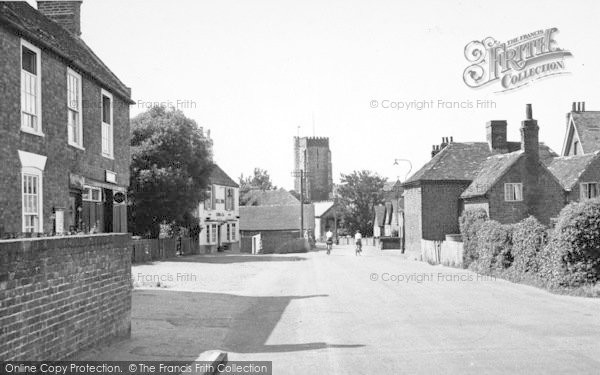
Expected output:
(409, 166)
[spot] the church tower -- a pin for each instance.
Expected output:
(312, 155)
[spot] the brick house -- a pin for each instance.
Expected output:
(64, 139)
(515, 185)
(432, 201)
(278, 225)
(219, 214)
(433, 196)
(579, 175)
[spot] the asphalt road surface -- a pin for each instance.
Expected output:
(379, 313)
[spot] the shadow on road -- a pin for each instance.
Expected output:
(181, 325)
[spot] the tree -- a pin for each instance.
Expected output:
(359, 193)
(260, 180)
(170, 167)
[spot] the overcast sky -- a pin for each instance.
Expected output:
(253, 71)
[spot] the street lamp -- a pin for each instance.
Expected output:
(409, 166)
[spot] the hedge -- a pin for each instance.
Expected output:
(529, 238)
(566, 256)
(494, 243)
(470, 223)
(572, 257)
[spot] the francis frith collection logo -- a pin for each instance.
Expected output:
(514, 63)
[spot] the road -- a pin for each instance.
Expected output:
(379, 313)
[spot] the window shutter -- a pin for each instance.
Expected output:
(582, 192)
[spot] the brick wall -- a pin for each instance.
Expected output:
(441, 209)
(550, 197)
(62, 295)
(62, 158)
(413, 218)
(273, 241)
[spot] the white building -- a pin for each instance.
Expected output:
(219, 214)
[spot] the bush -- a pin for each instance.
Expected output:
(529, 238)
(572, 257)
(470, 222)
(494, 243)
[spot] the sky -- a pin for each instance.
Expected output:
(257, 73)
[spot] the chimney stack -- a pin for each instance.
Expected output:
(531, 148)
(496, 135)
(65, 13)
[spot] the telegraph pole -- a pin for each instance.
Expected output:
(301, 203)
(300, 173)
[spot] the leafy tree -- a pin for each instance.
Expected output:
(170, 167)
(359, 193)
(260, 180)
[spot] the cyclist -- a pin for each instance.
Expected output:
(329, 240)
(358, 242)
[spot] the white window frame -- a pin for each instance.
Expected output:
(208, 200)
(36, 173)
(38, 98)
(33, 165)
(211, 233)
(511, 194)
(583, 190)
(79, 109)
(233, 237)
(214, 234)
(109, 152)
(90, 196)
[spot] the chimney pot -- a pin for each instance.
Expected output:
(582, 106)
(574, 108)
(528, 112)
(451, 139)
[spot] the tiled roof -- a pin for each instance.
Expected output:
(280, 217)
(379, 215)
(322, 207)
(588, 127)
(546, 154)
(492, 169)
(495, 166)
(568, 169)
(456, 162)
(47, 34)
(269, 198)
(219, 177)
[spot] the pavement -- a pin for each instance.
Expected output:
(382, 312)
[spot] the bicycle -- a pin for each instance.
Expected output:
(358, 249)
